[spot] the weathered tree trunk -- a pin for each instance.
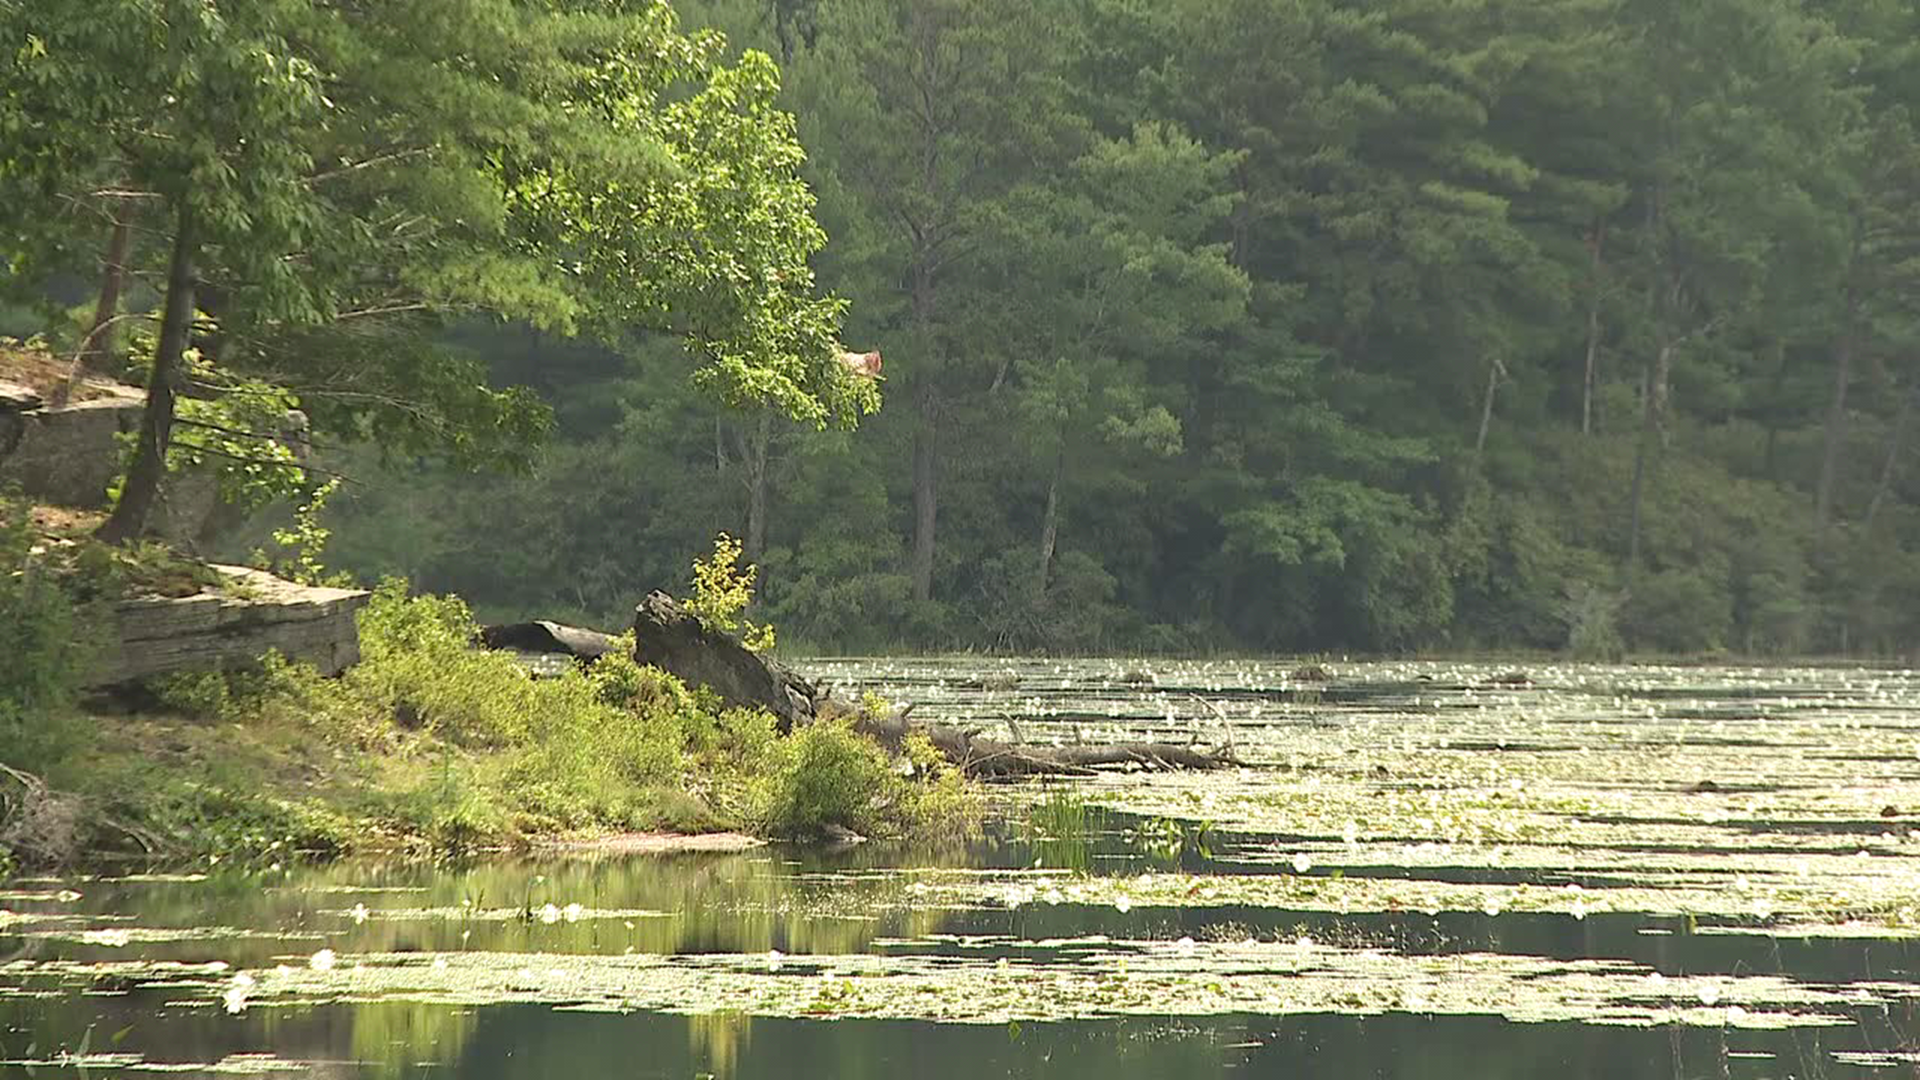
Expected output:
(1595, 244)
(666, 636)
(1050, 525)
(926, 505)
(549, 637)
(141, 491)
(670, 638)
(992, 759)
(96, 350)
(1836, 428)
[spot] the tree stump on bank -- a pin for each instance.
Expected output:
(667, 636)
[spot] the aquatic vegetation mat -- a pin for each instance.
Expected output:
(1083, 979)
(1719, 850)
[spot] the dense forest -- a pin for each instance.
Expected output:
(1368, 325)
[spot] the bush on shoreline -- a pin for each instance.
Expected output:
(432, 743)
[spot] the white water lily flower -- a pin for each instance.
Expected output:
(1302, 862)
(113, 939)
(774, 957)
(572, 912)
(1123, 905)
(1709, 994)
(549, 914)
(359, 913)
(323, 960)
(234, 1000)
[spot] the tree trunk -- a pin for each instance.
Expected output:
(1896, 449)
(1836, 432)
(1050, 526)
(1596, 244)
(758, 453)
(1495, 372)
(926, 505)
(141, 492)
(97, 350)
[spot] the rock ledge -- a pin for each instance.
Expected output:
(232, 628)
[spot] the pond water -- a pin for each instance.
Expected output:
(1423, 870)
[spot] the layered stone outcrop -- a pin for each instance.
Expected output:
(66, 455)
(232, 627)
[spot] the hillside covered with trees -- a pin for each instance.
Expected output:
(1235, 324)
(1304, 325)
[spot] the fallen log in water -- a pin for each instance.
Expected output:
(668, 637)
(993, 759)
(549, 638)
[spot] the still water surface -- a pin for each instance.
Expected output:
(1425, 871)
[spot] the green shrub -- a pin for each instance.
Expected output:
(722, 592)
(825, 776)
(213, 695)
(45, 646)
(419, 663)
(1592, 618)
(1679, 611)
